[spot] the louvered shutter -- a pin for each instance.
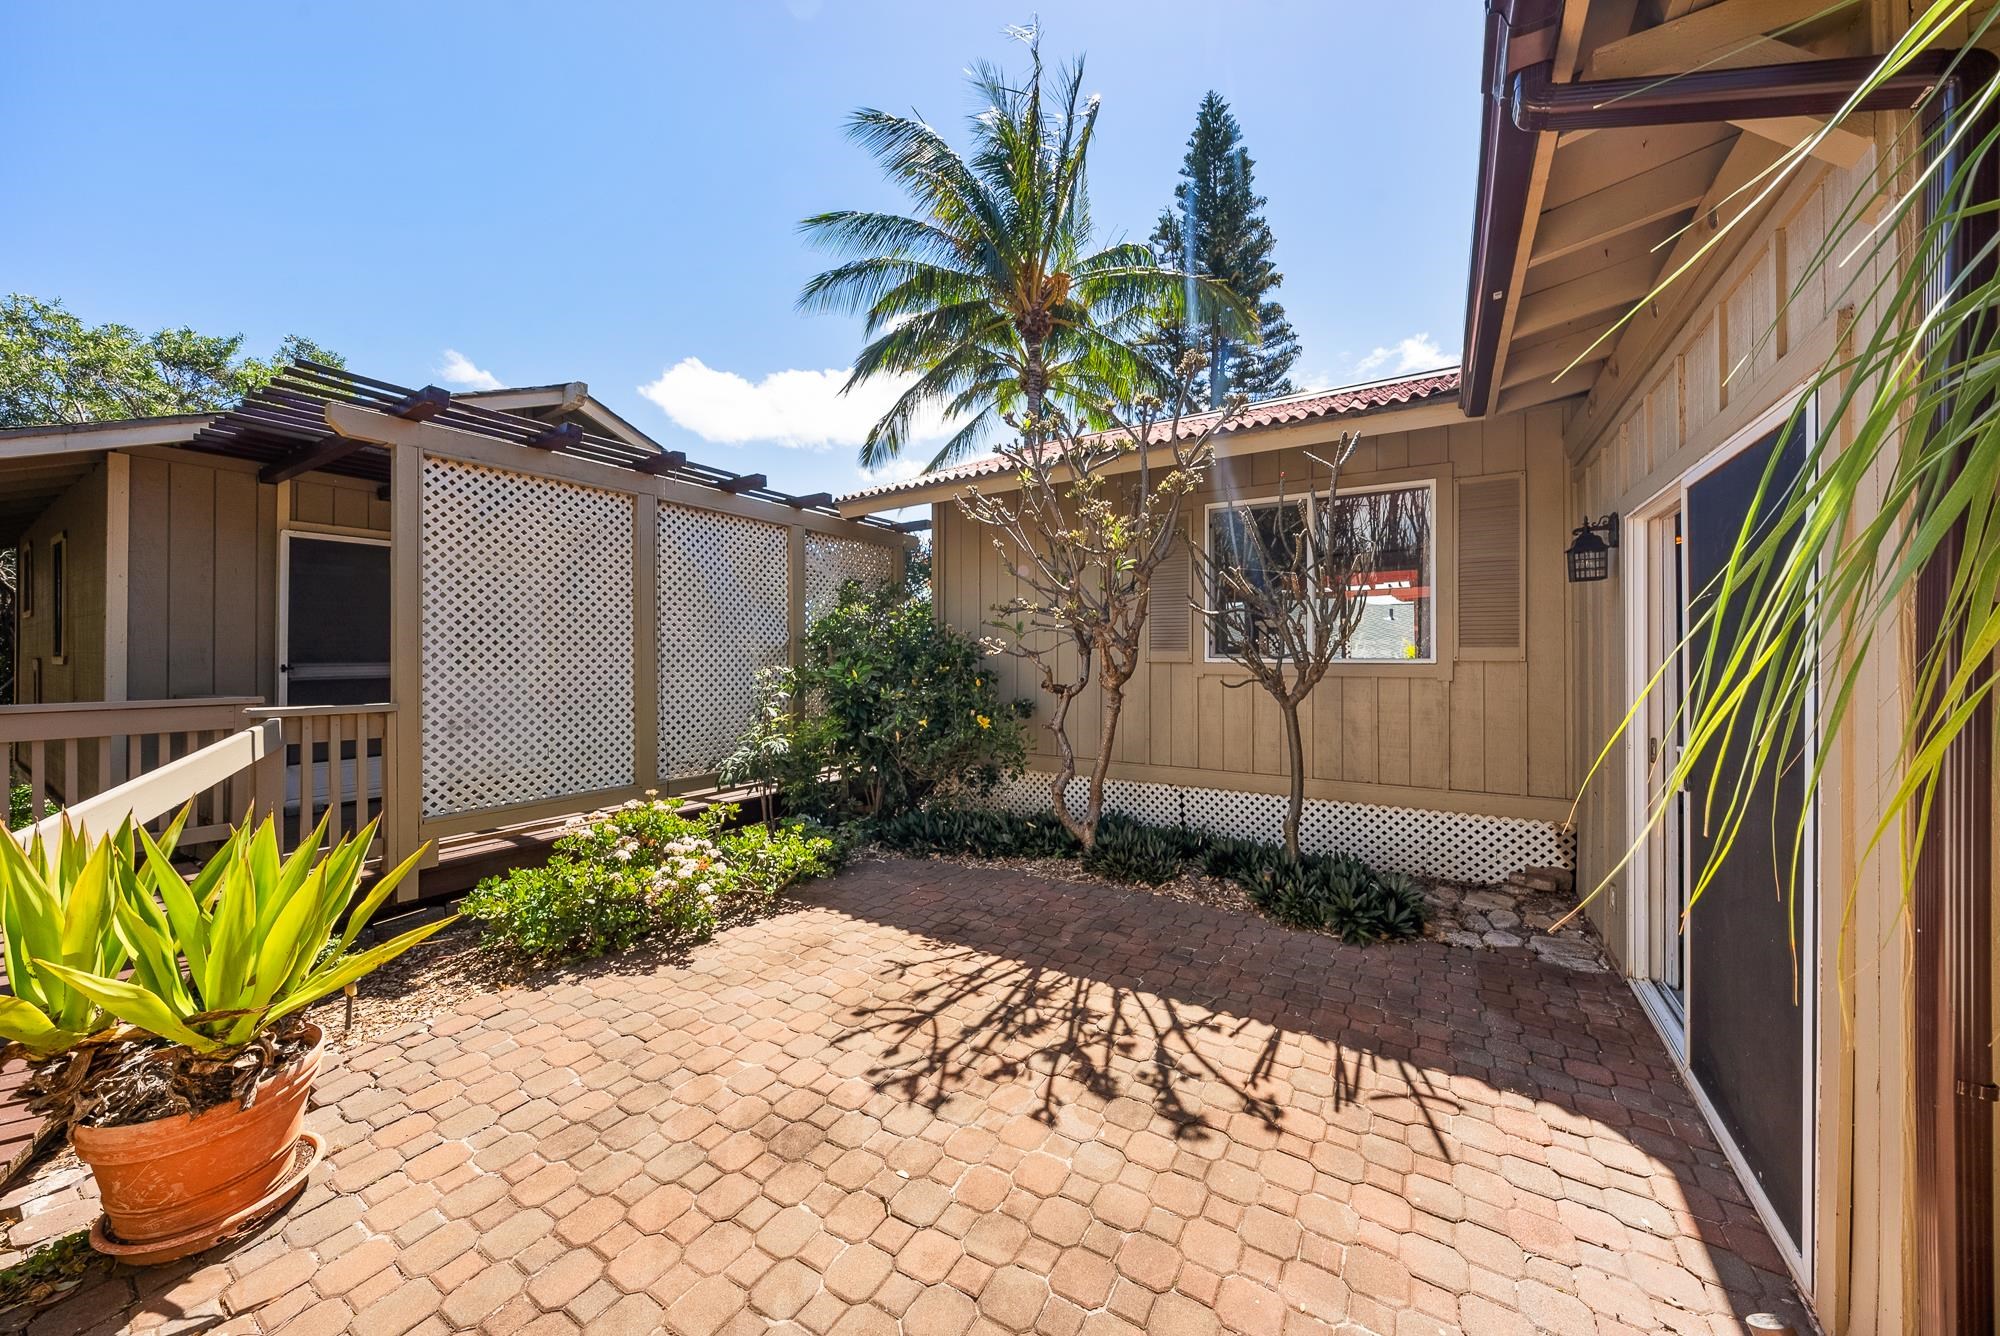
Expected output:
(1491, 556)
(1169, 619)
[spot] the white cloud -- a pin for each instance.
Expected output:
(459, 370)
(1418, 352)
(801, 409)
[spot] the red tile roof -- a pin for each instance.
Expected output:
(1348, 401)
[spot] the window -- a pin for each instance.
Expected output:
(1384, 536)
(24, 580)
(58, 622)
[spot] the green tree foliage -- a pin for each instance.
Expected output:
(991, 296)
(54, 368)
(1232, 245)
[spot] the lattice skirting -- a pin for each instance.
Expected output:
(1451, 846)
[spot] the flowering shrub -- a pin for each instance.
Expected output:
(622, 874)
(885, 708)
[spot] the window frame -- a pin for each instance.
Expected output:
(59, 598)
(1429, 485)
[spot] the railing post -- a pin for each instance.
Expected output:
(268, 793)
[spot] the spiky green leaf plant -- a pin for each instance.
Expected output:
(59, 902)
(1904, 472)
(218, 958)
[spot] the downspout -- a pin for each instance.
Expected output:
(1953, 984)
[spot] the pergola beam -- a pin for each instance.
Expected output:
(667, 461)
(557, 437)
(420, 405)
(812, 500)
(748, 482)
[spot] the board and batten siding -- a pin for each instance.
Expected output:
(1482, 730)
(78, 517)
(204, 572)
(1747, 336)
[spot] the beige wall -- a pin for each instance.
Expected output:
(78, 516)
(203, 602)
(1481, 734)
(1734, 350)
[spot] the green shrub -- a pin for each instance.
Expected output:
(563, 908)
(949, 829)
(623, 874)
(1128, 850)
(885, 709)
(1340, 894)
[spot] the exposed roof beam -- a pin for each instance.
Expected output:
(1604, 290)
(1634, 345)
(811, 500)
(1704, 35)
(1547, 359)
(1732, 36)
(556, 437)
(1541, 392)
(1603, 214)
(912, 526)
(1653, 239)
(664, 462)
(309, 457)
(748, 482)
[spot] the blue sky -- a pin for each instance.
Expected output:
(610, 192)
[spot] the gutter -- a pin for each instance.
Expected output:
(1523, 100)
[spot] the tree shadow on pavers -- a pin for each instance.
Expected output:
(1222, 1024)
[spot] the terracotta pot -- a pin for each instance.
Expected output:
(189, 1179)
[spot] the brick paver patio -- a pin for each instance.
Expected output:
(941, 1100)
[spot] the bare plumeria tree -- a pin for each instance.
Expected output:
(1284, 587)
(1092, 516)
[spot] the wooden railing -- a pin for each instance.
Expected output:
(248, 759)
(68, 754)
(336, 765)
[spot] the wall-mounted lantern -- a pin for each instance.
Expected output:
(1590, 556)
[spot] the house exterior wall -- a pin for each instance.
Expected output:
(1740, 343)
(78, 517)
(1479, 733)
(202, 613)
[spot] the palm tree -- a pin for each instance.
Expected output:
(990, 294)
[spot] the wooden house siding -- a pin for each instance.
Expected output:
(204, 568)
(1482, 734)
(78, 517)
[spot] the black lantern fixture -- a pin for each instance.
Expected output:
(1590, 556)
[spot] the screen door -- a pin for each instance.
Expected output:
(1747, 983)
(336, 642)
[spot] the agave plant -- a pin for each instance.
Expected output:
(58, 903)
(247, 942)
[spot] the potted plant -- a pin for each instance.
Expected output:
(184, 1082)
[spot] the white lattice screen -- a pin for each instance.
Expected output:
(527, 638)
(831, 562)
(725, 612)
(1452, 846)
